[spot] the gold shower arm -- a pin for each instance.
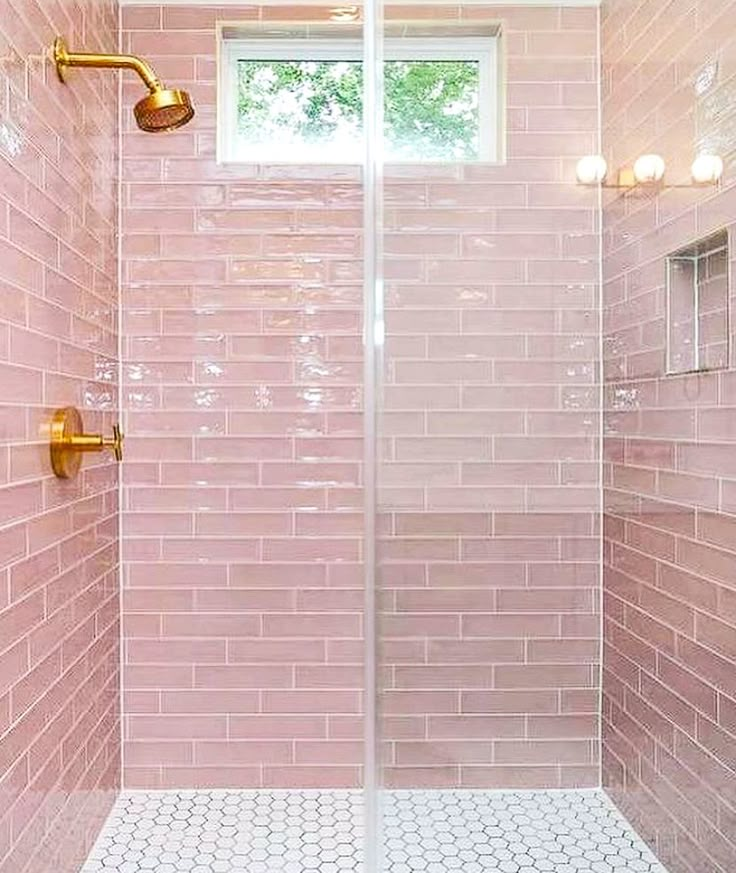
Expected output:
(64, 58)
(161, 109)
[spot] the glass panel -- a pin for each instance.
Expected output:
(244, 346)
(373, 330)
(487, 518)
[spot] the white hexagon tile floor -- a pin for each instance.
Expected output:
(424, 832)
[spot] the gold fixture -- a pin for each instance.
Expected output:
(69, 441)
(161, 109)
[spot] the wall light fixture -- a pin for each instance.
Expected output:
(592, 170)
(707, 169)
(647, 171)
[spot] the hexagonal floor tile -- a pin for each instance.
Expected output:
(425, 832)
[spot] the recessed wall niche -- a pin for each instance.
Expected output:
(698, 306)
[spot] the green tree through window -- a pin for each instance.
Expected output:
(431, 107)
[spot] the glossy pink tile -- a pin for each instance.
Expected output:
(488, 465)
(59, 614)
(242, 307)
(246, 468)
(669, 554)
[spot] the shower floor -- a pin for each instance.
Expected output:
(427, 831)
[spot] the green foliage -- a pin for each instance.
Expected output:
(431, 109)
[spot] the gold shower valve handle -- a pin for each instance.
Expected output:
(69, 442)
(115, 442)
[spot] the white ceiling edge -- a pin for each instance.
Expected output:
(250, 3)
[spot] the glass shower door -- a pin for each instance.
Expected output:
(488, 423)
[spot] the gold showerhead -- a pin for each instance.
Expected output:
(164, 109)
(161, 109)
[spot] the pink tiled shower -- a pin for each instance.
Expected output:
(492, 576)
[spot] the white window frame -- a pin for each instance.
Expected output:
(483, 50)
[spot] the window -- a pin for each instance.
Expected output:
(301, 100)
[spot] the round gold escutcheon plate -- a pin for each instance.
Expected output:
(65, 424)
(60, 58)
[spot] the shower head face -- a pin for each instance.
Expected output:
(163, 109)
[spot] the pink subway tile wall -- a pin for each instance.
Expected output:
(669, 730)
(59, 616)
(242, 305)
(243, 499)
(489, 478)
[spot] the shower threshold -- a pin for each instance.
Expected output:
(424, 831)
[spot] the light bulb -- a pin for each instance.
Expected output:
(591, 170)
(649, 168)
(707, 169)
